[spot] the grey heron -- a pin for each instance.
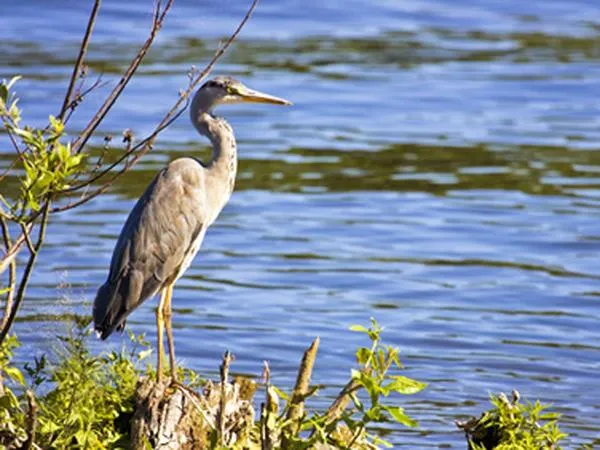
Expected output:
(166, 226)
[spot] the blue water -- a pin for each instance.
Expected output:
(439, 171)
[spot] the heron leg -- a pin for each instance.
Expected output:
(167, 315)
(160, 322)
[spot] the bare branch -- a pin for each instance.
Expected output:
(84, 199)
(11, 253)
(12, 274)
(11, 166)
(224, 371)
(102, 155)
(144, 146)
(8, 321)
(12, 278)
(118, 89)
(5, 234)
(296, 404)
(336, 409)
(7, 126)
(27, 238)
(80, 95)
(82, 51)
(202, 75)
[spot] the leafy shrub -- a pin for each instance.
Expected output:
(88, 401)
(511, 425)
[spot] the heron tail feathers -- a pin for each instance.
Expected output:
(115, 300)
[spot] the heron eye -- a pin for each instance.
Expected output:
(231, 90)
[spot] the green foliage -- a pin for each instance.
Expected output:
(350, 428)
(376, 363)
(515, 426)
(91, 398)
(91, 394)
(12, 413)
(8, 101)
(48, 164)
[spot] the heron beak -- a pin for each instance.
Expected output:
(251, 96)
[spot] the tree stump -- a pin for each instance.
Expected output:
(171, 416)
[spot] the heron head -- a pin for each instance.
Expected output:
(227, 91)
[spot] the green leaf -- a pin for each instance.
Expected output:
(3, 94)
(57, 125)
(366, 381)
(355, 374)
(400, 416)
(394, 356)
(363, 354)
(374, 413)
(375, 328)
(356, 401)
(23, 134)
(44, 180)
(14, 374)
(144, 354)
(359, 329)
(403, 385)
(49, 427)
(75, 160)
(12, 81)
(63, 152)
(379, 441)
(280, 393)
(81, 437)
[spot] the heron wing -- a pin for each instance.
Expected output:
(158, 234)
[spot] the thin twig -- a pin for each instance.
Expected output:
(224, 371)
(27, 238)
(357, 434)
(101, 157)
(336, 409)
(82, 51)
(80, 95)
(12, 274)
(265, 439)
(9, 168)
(5, 234)
(269, 413)
(12, 253)
(144, 145)
(12, 278)
(199, 407)
(8, 127)
(87, 132)
(26, 274)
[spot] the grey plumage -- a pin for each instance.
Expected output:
(165, 228)
(157, 236)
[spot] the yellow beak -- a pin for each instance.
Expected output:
(251, 96)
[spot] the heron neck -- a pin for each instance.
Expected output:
(222, 168)
(224, 153)
(223, 164)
